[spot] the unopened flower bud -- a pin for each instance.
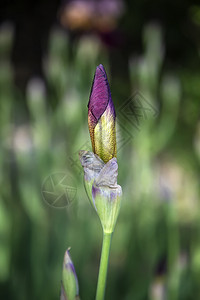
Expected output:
(69, 286)
(101, 117)
(100, 166)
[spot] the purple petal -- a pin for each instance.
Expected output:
(100, 97)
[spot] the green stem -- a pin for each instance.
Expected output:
(101, 285)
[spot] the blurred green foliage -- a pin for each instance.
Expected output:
(156, 245)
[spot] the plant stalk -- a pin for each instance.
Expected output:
(101, 285)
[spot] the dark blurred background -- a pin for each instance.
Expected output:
(48, 54)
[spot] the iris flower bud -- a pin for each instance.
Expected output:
(69, 285)
(101, 117)
(100, 166)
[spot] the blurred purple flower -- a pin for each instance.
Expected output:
(86, 14)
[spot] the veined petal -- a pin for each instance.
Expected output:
(100, 93)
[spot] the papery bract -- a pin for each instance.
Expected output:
(92, 166)
(102, 188)
(106, 195)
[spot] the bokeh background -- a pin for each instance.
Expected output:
(48, 54)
